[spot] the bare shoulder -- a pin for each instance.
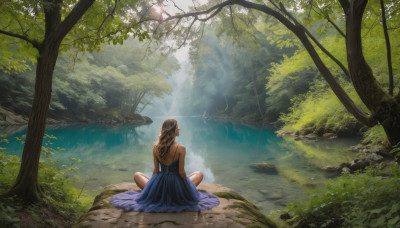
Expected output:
(181, 149)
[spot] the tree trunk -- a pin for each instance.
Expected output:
(388, 49)
(26, 186)
(385, 109)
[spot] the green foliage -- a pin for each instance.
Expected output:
(376, 135)
(319, 111)
(357, 200)
(7, 216)
(106, 21)
(55, 180)
(114, 79)
(395, 151)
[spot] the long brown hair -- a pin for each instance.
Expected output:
(166, 137)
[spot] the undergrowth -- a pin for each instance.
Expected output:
(376, 136)
(319, 111)
(61, 203)
(369, 199)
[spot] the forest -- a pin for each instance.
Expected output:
(307, 69)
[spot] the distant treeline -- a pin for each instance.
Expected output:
(120, 80)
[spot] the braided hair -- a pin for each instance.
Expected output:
(166, 138)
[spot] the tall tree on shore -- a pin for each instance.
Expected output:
(383, 107)
(43, 29)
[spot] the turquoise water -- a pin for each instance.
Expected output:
(222, 151)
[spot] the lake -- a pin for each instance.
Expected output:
(224, 152)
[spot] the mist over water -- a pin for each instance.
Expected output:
(171, 104)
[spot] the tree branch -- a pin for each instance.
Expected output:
(344, 69)
(328, 19)
(108, 15)
(336, 27)
(72, 18)
(187, 33)
(388, 49)
(372, 26)
(199, 13)
(34, 43)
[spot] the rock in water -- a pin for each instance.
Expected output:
(264, 167)
(233, 211)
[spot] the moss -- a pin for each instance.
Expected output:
(107, 193)
(230, 195)
(99, 204)
(82, 218)
(252, 213)
(248, 211)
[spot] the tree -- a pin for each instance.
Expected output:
(50, 27)
(383, 107)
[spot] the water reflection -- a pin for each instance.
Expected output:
(224, 152)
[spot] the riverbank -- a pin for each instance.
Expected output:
(9, 118)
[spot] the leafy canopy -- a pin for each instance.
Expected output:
(106, 21)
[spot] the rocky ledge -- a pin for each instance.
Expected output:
(233, 211)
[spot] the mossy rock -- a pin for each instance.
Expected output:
(248, 211)
(234, 211)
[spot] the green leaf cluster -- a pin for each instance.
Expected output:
(320, 111)
(106, 21)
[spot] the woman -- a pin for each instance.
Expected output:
(169, 190)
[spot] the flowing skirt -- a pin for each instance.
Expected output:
(166, 192)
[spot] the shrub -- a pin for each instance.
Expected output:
(354, 200)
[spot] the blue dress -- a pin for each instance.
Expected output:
(166, 191)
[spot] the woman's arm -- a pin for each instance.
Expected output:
(182, 154)
(156, 163)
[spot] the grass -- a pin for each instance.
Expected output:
(61, 203)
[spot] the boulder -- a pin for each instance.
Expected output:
(329, 135)
(374, 157)
(346, 170)
(358, 164)
(344, 164)
(233, 211)
(8, 118)
(331, 169)
(310, 137)
(285, 216)
(264, 167)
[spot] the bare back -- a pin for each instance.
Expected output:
(171, 156)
